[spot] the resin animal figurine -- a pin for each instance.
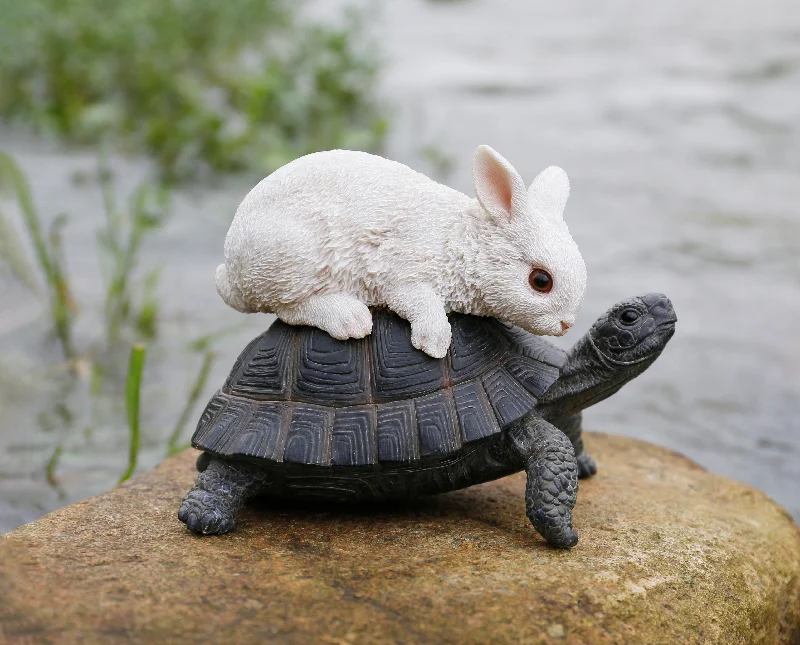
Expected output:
(303, 415)
(330, 234)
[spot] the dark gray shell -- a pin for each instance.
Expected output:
(297, 395)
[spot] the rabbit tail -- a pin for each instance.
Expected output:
(229, 292)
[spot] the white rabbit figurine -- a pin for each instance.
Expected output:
(330, 234)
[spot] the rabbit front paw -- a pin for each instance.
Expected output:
(431, 337)
(353, 320)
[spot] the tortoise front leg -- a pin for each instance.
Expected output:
(211, 505)
(573, 428)
(552, 489)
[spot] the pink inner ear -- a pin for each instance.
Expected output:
(498, 180)
(496, 183)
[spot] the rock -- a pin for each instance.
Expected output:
(669, 553)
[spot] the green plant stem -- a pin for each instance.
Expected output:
(52, 464)
(20, 185)
(63, 306)
(49, 256)
(194, 394)
(12, 253)
(121, 241)
(132, 392)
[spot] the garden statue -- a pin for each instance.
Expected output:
(333, 233)
(389, 373)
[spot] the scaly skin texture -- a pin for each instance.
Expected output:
(552, 471)
(222, 488)
(611, 354)
(572, 427)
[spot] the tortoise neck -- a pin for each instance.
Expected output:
(586, 378)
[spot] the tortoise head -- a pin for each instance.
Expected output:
(634, 331)
(622, 344)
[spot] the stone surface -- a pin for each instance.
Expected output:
(669, 553)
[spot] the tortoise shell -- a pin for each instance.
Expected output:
(297, 395)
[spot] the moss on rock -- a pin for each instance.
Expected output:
(669, 553)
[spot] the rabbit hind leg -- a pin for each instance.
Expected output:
(339, 314)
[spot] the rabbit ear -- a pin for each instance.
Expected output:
(549, 192)
(498, 187)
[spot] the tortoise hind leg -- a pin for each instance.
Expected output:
(573, 428)
(552, 471)
(211, 505)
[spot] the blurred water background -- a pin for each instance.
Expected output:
(678, 124)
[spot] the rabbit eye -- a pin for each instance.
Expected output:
(541, 281)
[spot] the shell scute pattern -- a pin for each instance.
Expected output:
(308, 438)
(477, 344)
(297, 395)
(264, 370)
(222, 432)
(330, 370)
(354, 437)
(212, 411)
(509, 399)
(534, 347)
(438, 433)
(400, 370)
(260, 437)
(474, 412)
(397, 436)
(535, 376)
(240, 361)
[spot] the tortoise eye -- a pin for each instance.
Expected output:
(540, 280)
(629, 316)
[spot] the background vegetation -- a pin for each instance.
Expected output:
(200, 87)
(198, 84)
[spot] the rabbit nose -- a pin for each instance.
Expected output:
(565, 325)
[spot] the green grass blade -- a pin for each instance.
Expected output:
(52, 464)
(48, 251)
(11, 175)
(11, 253)
(194, 394)
(147, 315)
(132, 392)
(63, 306)
(122, 240)
(50, 471)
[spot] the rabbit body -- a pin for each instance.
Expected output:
(332, 233)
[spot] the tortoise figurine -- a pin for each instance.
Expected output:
(305, 416)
